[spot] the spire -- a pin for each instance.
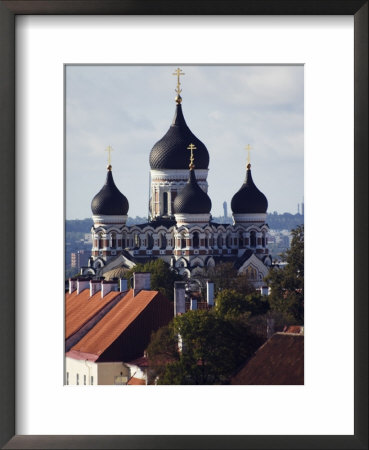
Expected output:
(178, 89)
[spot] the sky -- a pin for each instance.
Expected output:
(131, 107)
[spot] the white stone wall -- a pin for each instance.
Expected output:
(81, 368)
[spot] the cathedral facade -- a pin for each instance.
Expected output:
(180, 229)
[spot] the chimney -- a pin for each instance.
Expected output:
(72, 285)
(264, 290)
(123, 285)
(193, 306)
(108, 286)
(270, 327)
(82, 284)
(95, 286)
(141, 280)
(179, 298)
(210, 293)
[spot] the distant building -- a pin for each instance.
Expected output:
(225, 210)
(79, 259)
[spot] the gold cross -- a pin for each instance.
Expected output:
(248, 148)
(109, 149)
(191, 147)
(178, 72)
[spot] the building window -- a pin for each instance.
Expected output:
(163, 241)
(84, 379)
(165, 203)
(183, 243)
(263, 241)
(252, 239)
(195, 240)
(92, 379)
(113, 240)
(67, 381)
(137, 241)
(77, 379)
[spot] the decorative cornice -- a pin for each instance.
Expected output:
(191, 219)
(177, 174)
(249, 218)
(107, 220)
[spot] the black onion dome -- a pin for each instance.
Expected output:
(171, 151)
(249, 199)
(192, 199)
(109, 201)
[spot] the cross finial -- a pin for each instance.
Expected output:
(191, 147)
(248, 148)
(109, 149)
(178, 89)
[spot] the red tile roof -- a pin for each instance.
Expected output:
(294, 329)
(136, 382)
(112, 325)
(280, 361)
(80, 308)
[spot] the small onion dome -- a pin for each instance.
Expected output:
(109, 201)
(249, 199)
(170, 152)
(192, 199)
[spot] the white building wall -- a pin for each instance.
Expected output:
(82, 368)
(95, 373)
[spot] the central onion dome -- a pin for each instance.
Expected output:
(249, 200)
(170, 153)
(192, 199)
(109, 201)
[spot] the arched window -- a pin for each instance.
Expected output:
(263, 240)
(163, 241)
(183, 242)
(228, 241)
(220, 241)
(251, 273)
(165, 203)
(240, 240)
(150, 242)
(113, 240)
(99, 241)
(137, 241)
(253, 239)
(196, 240)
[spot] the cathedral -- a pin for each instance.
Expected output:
(180, 229)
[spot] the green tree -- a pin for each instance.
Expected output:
(162, 277)
(213, 347)
(225, 276)
(287, 284)
(230, 303)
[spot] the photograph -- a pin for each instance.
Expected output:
(184, 224)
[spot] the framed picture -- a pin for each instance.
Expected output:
(240, 436)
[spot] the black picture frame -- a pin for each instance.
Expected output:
(8, 12)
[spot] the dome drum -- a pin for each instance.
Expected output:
(249, 218)
(192, 219)
(101, 220)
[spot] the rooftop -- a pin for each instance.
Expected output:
(112, 325)
(280, 361)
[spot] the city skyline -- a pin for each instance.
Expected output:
(226, 107)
